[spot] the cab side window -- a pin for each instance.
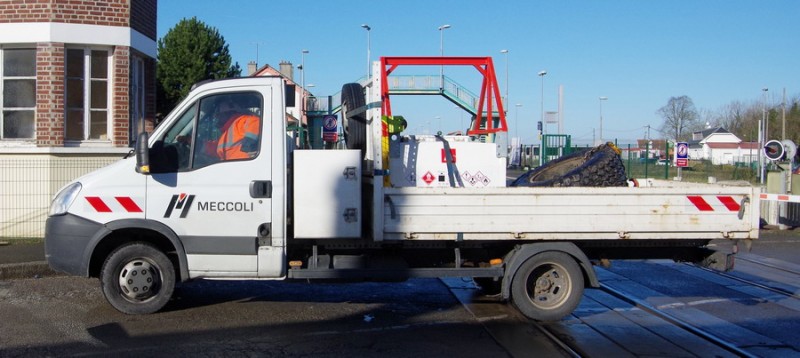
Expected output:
(172, 152)
(217, 128)
(229, 129)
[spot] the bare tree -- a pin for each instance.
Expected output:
(679, 113)
(734, 117)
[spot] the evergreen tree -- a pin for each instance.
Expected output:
(189, 53)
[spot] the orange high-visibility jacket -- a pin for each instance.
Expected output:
(238, 130)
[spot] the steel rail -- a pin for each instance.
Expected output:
(773, 266)
(678, 322)
(749, 282)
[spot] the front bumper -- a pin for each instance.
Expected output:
(66, 243)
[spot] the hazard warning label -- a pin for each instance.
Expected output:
(428, 178)
(477, 179)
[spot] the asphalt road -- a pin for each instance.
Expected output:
(57, 316)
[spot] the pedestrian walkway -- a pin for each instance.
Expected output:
(22, 260)
(11, 253)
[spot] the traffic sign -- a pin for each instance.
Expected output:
(329, 122)
(682, 154)
(329, 128)
(330, 137)
(682, 150)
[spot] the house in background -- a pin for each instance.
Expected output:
(304, 120)
(294, 114)
(719, 146)
(651, 148)
(77, 81)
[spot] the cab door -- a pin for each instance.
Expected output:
(218, 203)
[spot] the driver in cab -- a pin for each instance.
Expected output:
(240, 131)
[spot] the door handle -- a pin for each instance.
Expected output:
(261, 189)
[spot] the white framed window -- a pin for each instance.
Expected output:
(88, 93)
(17, 93)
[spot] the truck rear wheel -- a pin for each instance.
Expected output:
(547, 286)
(354, 126)
(137, 278)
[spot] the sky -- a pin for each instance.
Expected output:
(637, 54)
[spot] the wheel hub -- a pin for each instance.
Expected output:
(550, 288)
(138, 280)
(543, 285)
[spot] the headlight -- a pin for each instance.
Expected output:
(64, 199)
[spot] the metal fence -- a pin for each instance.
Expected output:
(29, 182)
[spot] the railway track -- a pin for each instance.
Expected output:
(586, 334)
(781, 291)
(771, 264)
(708, 336)
(615, 321)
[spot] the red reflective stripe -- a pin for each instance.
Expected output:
(700, 203)
(128, 204)
(729, 203)
(98, 204)
(783, 197)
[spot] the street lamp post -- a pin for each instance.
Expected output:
(303, 69)
(303, 94)
(602, 98)
(764, 116)
(516, 121)
(542, 74)
(303, 86)
(763, 127)
(506, 102)
(366, 27)
(544, 126)
(441, 51)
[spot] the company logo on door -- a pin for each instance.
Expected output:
(183, 203)
(180, 202)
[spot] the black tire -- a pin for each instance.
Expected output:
(547, 286)
(597, 167)
(137, 278)
(354, 126)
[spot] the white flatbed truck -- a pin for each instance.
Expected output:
(168, 215)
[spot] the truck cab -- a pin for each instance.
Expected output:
(214, 201)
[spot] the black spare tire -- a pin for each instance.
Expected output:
(354, 120)
(598, 167)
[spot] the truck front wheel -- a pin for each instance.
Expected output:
(547, 286)
(137, 278)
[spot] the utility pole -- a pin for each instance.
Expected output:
(783, 120)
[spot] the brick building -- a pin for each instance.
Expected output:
(76, 73)
(77, 80)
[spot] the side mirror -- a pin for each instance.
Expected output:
(142, 154)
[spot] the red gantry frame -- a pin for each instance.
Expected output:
(489, 89)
